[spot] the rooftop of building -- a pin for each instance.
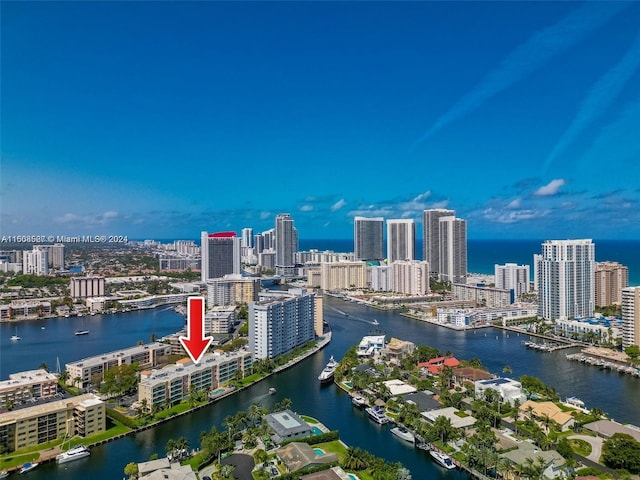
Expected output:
(44, 408)
(98, 359)
(28, 377)
(286, 423)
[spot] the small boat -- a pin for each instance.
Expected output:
(27, 467)
(272, 391)
(82, 332)
(358, 401)
(442, 459)
(574, 401)
(377, 415)
(4, 474)
(403, 434)
(375, 322)
(327, 374)
(43, 328)
(75, 453)
(16, 337)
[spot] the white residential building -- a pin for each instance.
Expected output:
(512, 276)
(565, 279)
(401, 240)
(280, 322)
(371, 345)
(509, 390)
(35, 262)
(483, 296)
(631, 316)
(453, 249)
(382, 278)
(431, 236)
(411, 277)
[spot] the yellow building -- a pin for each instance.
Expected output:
(82, 416)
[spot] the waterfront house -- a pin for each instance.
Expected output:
(470, 375)
(287, 425)
(397, 349)
(543, 410)
(299, 455)
(508, 389)
(554, 463)
(370, 345)
(452, 414)
(435, 365)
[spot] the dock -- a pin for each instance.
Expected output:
(605, 364)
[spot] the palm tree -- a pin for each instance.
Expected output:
(505, 468)
(254, 413)
(516, 413)
(534, 469)
(443, 428)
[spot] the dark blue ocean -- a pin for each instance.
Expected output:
(482, 255)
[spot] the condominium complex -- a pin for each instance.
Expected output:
(55, 254)
(286, 238)
(343, 275)
(280, 322)
(81, 416)
(610, 278)
(368, 238)
(316, 257)
(401, 240)
(431, 236)
(382, 278)
(80, 372)
(220, 255)
(219, 320)
(87, 287)
(631, 316)
(172, 384)
(512, 276)
(482, 295)
(565, 279)
(410, 277)
(232, 290)
(35, 262)
(29, 385)
(24, 309)
(453, 249)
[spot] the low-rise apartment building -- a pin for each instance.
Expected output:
(172, 384)
(145, 355)
(76, 416)
(29, 385)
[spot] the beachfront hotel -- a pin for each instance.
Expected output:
(173, 383)
(81, 416)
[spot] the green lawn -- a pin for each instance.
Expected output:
(310, 420)
(580, 447)
(333, 447)
(12, 460)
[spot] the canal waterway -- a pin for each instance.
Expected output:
(609, 391)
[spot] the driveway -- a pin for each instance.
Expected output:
(596, 446)
(243, 465)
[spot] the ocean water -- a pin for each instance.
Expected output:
(482, 255)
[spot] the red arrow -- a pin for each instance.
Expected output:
(195, 343)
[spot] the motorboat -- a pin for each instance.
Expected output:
(272, 391)
(4, 473)
(81, 332)
(75, 453)
(27, 467)
(358, 401)
(442, 459)
(327, 374)
(403, 434)
(377, 415)
(574, 401)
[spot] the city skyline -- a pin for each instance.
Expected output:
(162, 120)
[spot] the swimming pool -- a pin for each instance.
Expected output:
(318, 451)
(316, 431)
(217, 392)
(353, 477)
(348, 384)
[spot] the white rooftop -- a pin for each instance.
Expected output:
(398, 387)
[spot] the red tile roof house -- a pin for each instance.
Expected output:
(435, 365)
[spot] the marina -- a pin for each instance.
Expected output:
(622, 368)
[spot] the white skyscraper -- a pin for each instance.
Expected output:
(401, 240)
(511, 276)
(247, 237)
(630, 316)
(452, 249)
(368, 238)
(431, 236)
(565, 279)
(220, 253)
(35, 262)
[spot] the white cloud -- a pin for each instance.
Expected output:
(338, 205)
(512, 216)
(306, 208)
(265, 215)
(515, 203)
(422, 196)
(550, 188)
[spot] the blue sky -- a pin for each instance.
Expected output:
(162, 119)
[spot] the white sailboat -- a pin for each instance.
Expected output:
(82, 331)
(16, 337)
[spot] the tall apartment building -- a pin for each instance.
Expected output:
(401, 240)
(565, 273)
(382, 278)
(247, 237)
(452, 249)
(512, 276)
(35, 262)
(186, 247)
(431, 236)
(343, 275)
(286, 238)
(87, 287)
(611, 278)
(220, 254)
(279, 324)
(630, 316)
(368, 238)
(81, 416)
(55, 254)
(411, 277)
(232, 290)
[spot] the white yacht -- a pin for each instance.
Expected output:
(358, 401)
(442, 459)
(27, 467)
(75, 453)
(377, 415)
(327, 374)
(403, 434)
(574, 401)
